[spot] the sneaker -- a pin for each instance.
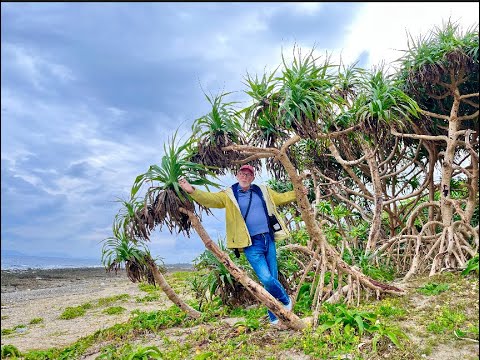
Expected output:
(289, 305)
(274, 322)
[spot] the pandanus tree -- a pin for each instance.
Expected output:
(379, 105)
(306, 100)
(179, 213)
(261, 117)
(361, 149)
(137, 218)
(213, 131)
(369, 144)
(140, 266)
(441, 73)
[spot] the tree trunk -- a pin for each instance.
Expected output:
(312, 227)
(287, 317)
(376, 226)
(446, 257)
(317, 235)
(172, 295)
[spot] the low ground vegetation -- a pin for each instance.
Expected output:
(436, 319)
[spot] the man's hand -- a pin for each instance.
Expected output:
(185, 185)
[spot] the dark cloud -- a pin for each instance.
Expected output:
(81, 170)
(91, 92)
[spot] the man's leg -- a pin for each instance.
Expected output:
(271, 257)
(256, 256)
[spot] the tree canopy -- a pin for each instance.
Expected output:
(390, 159)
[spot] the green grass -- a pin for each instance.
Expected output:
(446, 320)
(148, 298)
(433, 288)
(37, 320)
(14, 329)
(73, 312)
(147, 287)
(10, 351)
(114, 310)
(7, 331)
(374, 330)
(111, 299)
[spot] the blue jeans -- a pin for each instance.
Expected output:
(262, 255)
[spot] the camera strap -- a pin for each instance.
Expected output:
(237, 253)
(249, 203)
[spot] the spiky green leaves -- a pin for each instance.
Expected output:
(434, 66)
(217, 129)
(307, 96)
(164, 197)
(441, 69)
(120, 249)
(382, 102)
(262, 116)
(222, 120)
(434, 51)
(132, 220)
(175, 163)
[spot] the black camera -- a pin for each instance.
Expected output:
(274, 224)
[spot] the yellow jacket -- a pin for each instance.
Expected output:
(237, 232)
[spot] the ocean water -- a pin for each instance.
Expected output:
(24, 262)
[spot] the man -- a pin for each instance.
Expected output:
(248, 210)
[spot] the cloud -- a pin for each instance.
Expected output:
(31, 69)
(90, 93)
(382, 28)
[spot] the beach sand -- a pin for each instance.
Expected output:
(45, 294)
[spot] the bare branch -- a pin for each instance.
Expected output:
(339, 158)
(434, 115)
(251, 149)
(466, 96)
(253, 157)
(420, 137)
(469, 117)
(336, 134)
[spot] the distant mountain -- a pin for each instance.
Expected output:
(179, 266)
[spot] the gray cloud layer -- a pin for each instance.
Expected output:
(91, 91)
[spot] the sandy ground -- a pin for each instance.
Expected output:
(46, 294)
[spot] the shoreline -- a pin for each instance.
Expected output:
(44, 294)
(13, 280)
(169, 267)
(35, 279)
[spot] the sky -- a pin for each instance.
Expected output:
(90, 92)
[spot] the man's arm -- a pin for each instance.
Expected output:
(284, 198)
(207, 199)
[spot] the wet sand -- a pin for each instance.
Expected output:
(33, 279)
